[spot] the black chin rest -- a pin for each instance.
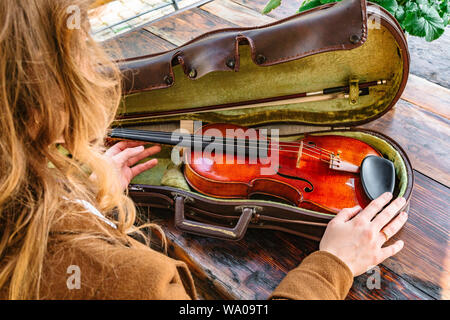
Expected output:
(377, 176)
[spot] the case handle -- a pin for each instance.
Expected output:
(209, 230)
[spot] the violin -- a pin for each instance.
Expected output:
(323, 173)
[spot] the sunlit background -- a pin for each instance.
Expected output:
(112, 17)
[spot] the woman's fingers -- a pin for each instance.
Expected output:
(125, 154)
(144, 154)
(388, 213)
(121, 146)
(347, 213)
(391, 250)
(122, 157)
(143, 167)
(375, 206)
(393, 227)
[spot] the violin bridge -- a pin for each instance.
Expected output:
(299, 154)
(336, 163)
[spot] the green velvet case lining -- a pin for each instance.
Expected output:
(308, 74)
(167, 174)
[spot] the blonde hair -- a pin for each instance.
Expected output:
(55, 82)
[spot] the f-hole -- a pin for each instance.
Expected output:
(306, 189)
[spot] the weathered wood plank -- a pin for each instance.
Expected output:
(424, 258)
(236, 13)
(135, 43)
(253, 267)
(248, 269)
(428, 95)
(391, 287)
(180, 28)
(429, 60)
(424, 135)
(286, 9)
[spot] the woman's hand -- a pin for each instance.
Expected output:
(356, 236)
(125, 154)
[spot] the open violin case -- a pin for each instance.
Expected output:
(336, 44)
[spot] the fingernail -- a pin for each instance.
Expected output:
(388, 195)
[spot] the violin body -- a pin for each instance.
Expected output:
(301, 177)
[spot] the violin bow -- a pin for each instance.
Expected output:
(340, 92)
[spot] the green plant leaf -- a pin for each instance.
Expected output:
(400, 14)
(309, 4)
(422, 18)
(328, 1)
(444, 11)
(425, 22)
(445, 18)
(444, 6)
(394, 7)
(272, 4)
(389, 5)
(411, 6)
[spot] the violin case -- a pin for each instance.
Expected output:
(324, 47)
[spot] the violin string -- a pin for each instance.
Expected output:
(310, 155)
(308, 146)
(236, 141)
(313, 152)
(314, 155)
(316, 151)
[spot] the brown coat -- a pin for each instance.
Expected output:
(112, 271)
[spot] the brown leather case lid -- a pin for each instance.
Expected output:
(307, 33)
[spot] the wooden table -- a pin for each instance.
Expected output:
(253, 267)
